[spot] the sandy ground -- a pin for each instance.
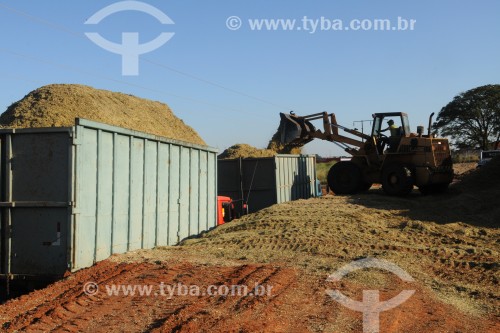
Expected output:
(448, 244)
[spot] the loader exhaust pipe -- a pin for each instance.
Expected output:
(430, 124)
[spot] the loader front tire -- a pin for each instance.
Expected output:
(397, 179)
(345, 177)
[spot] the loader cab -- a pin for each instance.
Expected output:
(388, 128)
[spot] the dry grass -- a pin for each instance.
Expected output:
(322, 171)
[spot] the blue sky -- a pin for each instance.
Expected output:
(454, 47)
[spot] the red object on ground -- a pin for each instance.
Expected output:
(222, 209)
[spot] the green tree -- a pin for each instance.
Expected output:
(472, 118)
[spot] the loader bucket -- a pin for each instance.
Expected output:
(289, 128)
(294, 130)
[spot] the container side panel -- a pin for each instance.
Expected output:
(256, 179)
(295, 180)
(163, 190)
(259, 183)
(136, 193)
(40, 167)
(300, 178)
(121, 185)
(85, 220)
(308, 190)
(308, 163)
(302, 190)
(228, 181)
(311, 172)
(288, 173)
(194, 193)
(308, 169)
(279, 180)
(104, 195)
(203, 192)
(39, 241)
(150, 190)
(184, 193)
(228, 177)
(258, 174)
(292, 179)
(305, 191)
(282, 180)
(212, 190)
(267, 181)
(174, 194)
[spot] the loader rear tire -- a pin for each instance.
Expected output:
(397, 179)
(345, 178)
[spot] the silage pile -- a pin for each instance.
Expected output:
(276, 145)
(484, 179)
(242, 150)
(58, 105)
(280, 148)
(479, 192)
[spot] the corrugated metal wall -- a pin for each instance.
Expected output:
(75, 196)
(266, 181)
(35, 200)
(136, 191)
(295, 177)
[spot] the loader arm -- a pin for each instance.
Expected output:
(297, 131)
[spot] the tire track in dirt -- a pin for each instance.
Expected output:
(71, 300)
(297, 303)
(216, 311)
(74, 311)
(112, 313)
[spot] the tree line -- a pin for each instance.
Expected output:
(472, 118)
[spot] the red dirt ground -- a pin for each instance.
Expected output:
(297, 303)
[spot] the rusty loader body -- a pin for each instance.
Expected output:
(398, 162)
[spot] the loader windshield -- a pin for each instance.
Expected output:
(390, 124)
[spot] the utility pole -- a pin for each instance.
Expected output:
(362, 125)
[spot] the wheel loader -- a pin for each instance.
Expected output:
(398, 161)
